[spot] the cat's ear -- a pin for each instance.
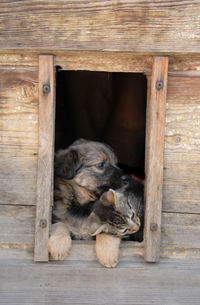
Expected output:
(109, 198)
(95, 225)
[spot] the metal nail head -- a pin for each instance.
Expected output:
(46, 88)
(159, 84)
(153, 227)
(43, 223)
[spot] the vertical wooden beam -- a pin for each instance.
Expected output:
(155, 130)
(45, 156)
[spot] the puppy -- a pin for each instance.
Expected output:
(82, 173)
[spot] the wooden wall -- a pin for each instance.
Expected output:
(124, 25)
(19, 148)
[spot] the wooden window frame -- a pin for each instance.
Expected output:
(156, 69)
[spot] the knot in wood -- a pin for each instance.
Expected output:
(159, 84)
(46, 88)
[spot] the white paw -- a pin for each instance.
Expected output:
(107, 249)
(59, 243)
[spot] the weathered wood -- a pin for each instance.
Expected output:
(19, 132)
(155, 129)
(101, 61)
(179, 232)
(19, 112)
(181, 191)
(130, 252)
(105, 61)
(169, 282)
(18, 180)
(45, 155)
(17, 224)
(101, 25)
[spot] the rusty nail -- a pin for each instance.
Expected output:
(46, 88)
(159, 84)
(43, 223)
(153, 227)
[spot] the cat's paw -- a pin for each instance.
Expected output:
(107, 249)
(59, 243)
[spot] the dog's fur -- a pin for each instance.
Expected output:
(82, 173)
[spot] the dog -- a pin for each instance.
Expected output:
(83, 172)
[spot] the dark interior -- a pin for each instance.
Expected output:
(106, 107)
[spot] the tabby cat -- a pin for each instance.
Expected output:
(119, 212)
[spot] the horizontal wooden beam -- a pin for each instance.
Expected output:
(133, 282)
(136, 26)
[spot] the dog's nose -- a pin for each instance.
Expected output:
(124, 178)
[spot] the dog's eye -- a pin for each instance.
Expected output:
(100, 165)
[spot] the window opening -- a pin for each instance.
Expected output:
(105, 107)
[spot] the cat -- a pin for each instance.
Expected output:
(118, 214)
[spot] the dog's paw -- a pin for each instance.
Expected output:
(107, 249)
(59, 243)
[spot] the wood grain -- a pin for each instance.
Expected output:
(45, 156)
(169, 282)
(181, 191)
(19, 136)
(17, 224)
(18, 180)
(180, 232)
(100, 61)
(155, 130)
(163, 26)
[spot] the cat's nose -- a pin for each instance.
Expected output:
(136, 226)
(138, 221)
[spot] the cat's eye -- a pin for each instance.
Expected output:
(100, 165)
(125, 231)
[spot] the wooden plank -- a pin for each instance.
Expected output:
(18, 180)
(17, 224)
(169, 282)
(18, 112)
(184, 227)
(181, 190)
(101, 25)
(100, 61)
(104, 61)
(130, 252)
(45, 155)
(19, 136)
(180, 234)
(155, 129)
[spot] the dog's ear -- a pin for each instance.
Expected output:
(66, 163)
(109, 198)
(80, 141)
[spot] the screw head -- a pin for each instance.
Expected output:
(46, 88)
(153, 227)
(43, 223)
(159, 84)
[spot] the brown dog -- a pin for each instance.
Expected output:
(82, 173)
